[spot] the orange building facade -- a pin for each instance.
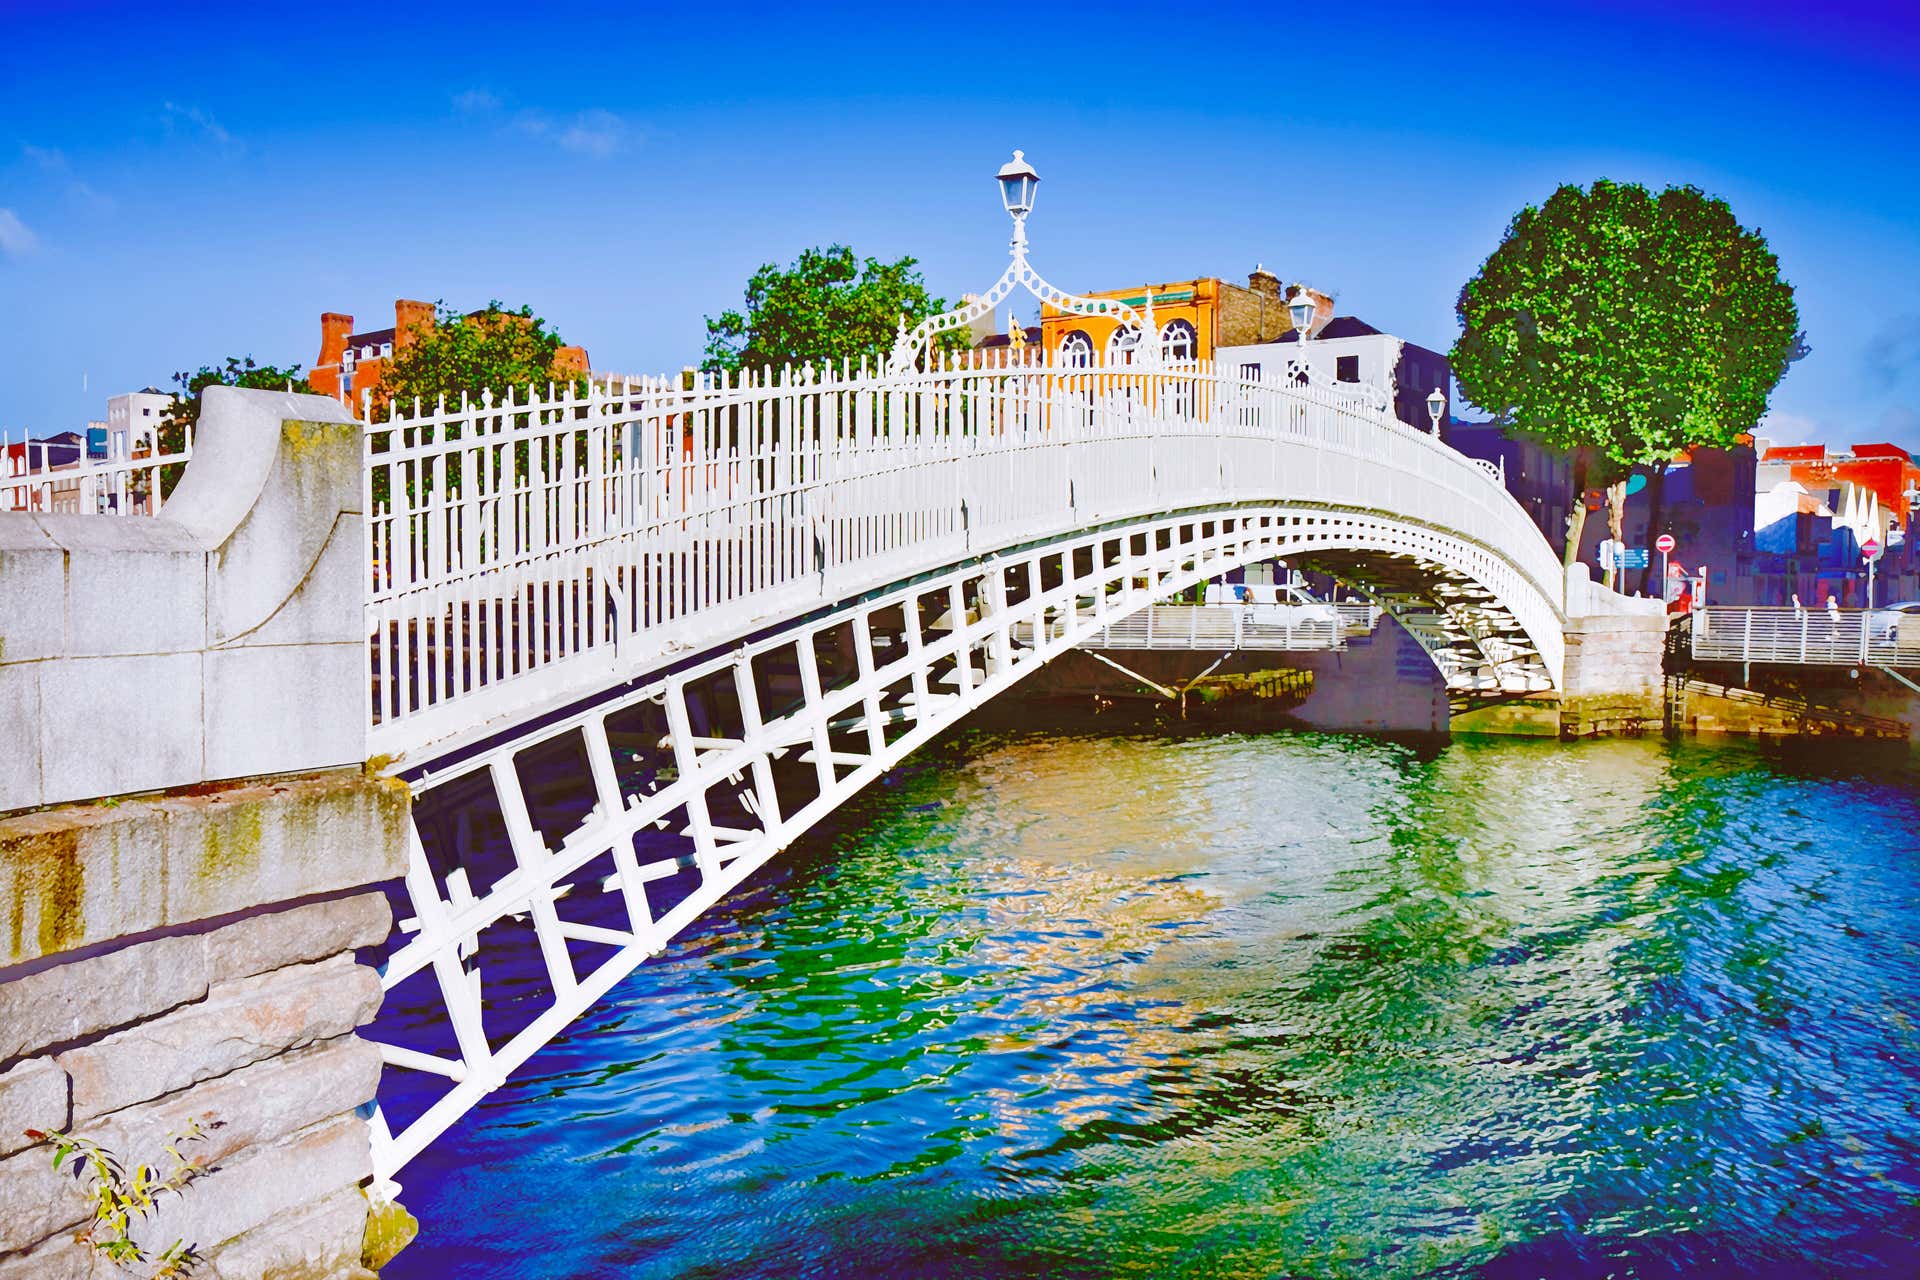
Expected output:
(1195, 318)
(350, 365)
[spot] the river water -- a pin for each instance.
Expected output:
(1252, 1005)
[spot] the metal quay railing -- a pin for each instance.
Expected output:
(1797, 636)
(1219, 626)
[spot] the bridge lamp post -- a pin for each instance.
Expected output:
(1017, 184)
(1436, 405)
(1301, 311)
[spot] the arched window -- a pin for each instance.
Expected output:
(1076, 351)
(1178, 341)
(1120, 346)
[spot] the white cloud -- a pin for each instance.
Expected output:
(16, 237)
(176, 115)
(1901, 422)
(596, 132)
(1893, 352)
(1791, 428)
(54, 161)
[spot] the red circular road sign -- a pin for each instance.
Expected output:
(1870, 549)
(1663, 543)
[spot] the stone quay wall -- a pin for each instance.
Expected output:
(1613, 681)
(190, 959)
(1611, 684)
(191, 855)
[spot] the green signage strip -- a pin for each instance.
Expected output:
(1176, 295)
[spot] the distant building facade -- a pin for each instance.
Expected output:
(350, 365)
(1019, 345)
(1348, 349)
(1195, 318)
(1539, 478)
(1813, 509)
(133, 422)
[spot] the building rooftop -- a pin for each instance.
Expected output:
(1338, 327)
(1818, 453)
(1001, 339)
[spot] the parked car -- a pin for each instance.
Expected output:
(1283, 604)
(1885, 622)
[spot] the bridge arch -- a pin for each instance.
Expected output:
(600, 822)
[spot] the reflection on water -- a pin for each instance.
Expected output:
(1284, 1005)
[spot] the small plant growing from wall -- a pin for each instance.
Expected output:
(123, 1196)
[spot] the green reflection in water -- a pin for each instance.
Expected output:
(1279, 1005)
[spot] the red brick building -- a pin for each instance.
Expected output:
(352, 363)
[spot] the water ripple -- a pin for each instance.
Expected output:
(1287, 1005)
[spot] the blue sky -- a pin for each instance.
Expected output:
(178, 187)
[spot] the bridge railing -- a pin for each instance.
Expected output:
(526, 548)
(41, 475)
(1795, 636)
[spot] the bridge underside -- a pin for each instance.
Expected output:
(1480, 646)
(547, 865)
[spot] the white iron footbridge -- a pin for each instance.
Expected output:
(629, 642)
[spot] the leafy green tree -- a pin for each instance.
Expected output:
(827, 307)
(492, 349)
(1624, 327)
(236, 372)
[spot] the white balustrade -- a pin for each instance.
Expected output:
(530, 549)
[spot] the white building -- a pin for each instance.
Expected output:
(1348, 349)
(133, 422)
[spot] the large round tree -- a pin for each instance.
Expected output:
(1624, 327)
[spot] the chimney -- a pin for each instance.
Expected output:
(1263, 281)
(409, 316)
(334, 329)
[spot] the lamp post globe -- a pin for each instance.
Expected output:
(1436, 405)
(1301, 309)
(1017, 183)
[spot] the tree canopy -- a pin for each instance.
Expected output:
(238, 371)
(492, 349)
(827, 307)
(1626, 326)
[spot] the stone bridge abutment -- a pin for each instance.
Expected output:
(191, 850)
